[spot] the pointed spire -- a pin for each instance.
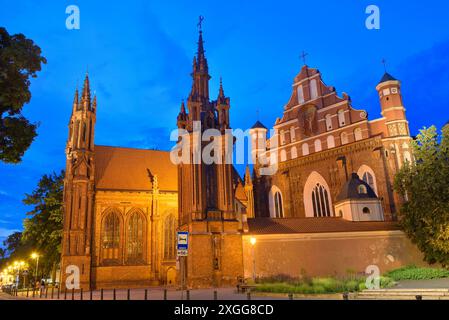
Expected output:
(85, 97)
(221, 91)
(183, 107)
(248, 181)
(94, 103)
(76, 99)
(201, 57)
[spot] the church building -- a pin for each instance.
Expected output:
(330, 207)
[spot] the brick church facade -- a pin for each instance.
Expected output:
(123, 206)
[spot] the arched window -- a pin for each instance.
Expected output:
(362, 189)
(330, 142)
(344, 138)
(341, 118)
(283, 155)
(358, 134)
(316, 197)
(313, 89)
(317, 145)
(278, 205)
(135, 239)
(328, 122)
(320, 202)
(169, 237)
(300, 95)
(367, 174)
(282, 137)
(292, 134)
(275, 203)
(305, 149)
(294, 153)
(111, 238)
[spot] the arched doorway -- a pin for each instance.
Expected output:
(171, 277)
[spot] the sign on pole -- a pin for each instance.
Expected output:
(182, 243)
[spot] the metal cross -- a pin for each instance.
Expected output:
(303, 56)
(200, 22)
(384, 62)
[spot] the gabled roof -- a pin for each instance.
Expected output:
(118, 168)
(258, 125)
(387, 77)
(350, 189)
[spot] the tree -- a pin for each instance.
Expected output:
(43, 227)
(12, 243)
(424, 185)
(20, 59)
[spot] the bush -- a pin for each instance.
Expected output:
(417, 273)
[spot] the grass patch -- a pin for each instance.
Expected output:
(417, 273)
(318, 285)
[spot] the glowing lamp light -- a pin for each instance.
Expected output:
(253, 241)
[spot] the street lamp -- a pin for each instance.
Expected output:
(253, 241)
(35, 256)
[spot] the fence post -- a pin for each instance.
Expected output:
(34, 292)
(290, 296)
(58, 291)
(46, 292)
(114, 294)
(345, 296)
(81, 294)
(65, 294)
(215, 295)
(52, 292)
(91, 294)
(248, 295)
(101, 294)
(165, 294)
(28, 291)
(187, 294)
(146, 294)
(73, 293)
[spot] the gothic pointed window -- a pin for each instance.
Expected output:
(320, 201)
(110, 239)
(135, 239)
(278, 209)
(169, 237)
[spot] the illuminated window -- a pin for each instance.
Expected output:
(110, 246)
(294, 153)
(358, 134)
(305, 149)
(135, 238)
(330, 142)
(318, 145)
(320, 201)
(278, 205)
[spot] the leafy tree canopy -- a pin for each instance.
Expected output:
(425, 185)
(20, 59)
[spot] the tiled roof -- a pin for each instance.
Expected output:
(258, 125)
(387, 77)
(314, 225)
(350, 189)
(119, 168)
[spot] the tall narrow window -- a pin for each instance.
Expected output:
(341, 118)
(300, 92)
(294, 153)
(328, 122)
(110, 239)
(344, 138)
(305, 149)
(292, 134)
(283, 155)
(313, 89)
(318, 145)
(330, 142)
(320, 201)
(169, 237)
(358, 134)
(369, 179)
(278, 209)
(135, 243)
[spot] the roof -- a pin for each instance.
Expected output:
(314, 225)
(118, 168)
(258, 125)
(387, 77)
(350, 189)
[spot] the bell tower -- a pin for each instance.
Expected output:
(206, 194)
(79, 188)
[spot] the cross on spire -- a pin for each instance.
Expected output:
(303, 57)
(200, 22)
(384, 62)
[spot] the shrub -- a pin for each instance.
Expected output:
(417, 273)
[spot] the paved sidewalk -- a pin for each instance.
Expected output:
(423, 284)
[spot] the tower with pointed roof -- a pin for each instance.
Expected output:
(79, 186)
(206, 193)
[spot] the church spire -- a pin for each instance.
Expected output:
(85, 97)
(248, 181)
(75, 100)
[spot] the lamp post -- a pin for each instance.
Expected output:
(35, 256)
(253, 244)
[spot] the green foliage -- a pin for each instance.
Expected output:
(416, 273)
(20, 59)
(319, 285)
(424, 217)
(43, 226)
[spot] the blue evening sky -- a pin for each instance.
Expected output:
(139, 56)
